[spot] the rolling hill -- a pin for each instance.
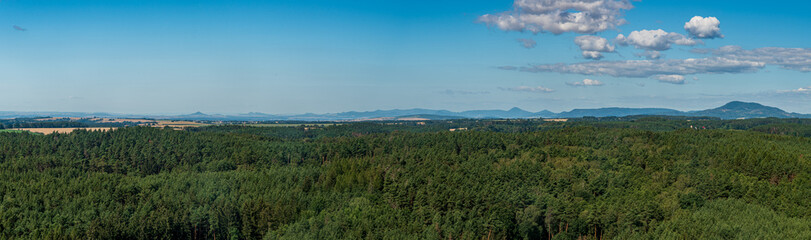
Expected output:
(732, 110)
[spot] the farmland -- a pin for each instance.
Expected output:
(66, 125)
(59, 130)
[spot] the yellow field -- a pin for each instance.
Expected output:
(177, 124)
(556, 119)
(60, 130)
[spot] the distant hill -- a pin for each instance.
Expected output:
(428, 117)
(512, 113)
(732, 110)
(617, 112)
(735, 110)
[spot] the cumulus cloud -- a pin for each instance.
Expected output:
(701, 27)
(560, 16)
(593, 43)
(654, 40)
(593, 46)
(527, 43)
(585, 83)
(652, 68)
(798, 59)
(537, 89)
(18, 28)
(673, 79)
(592, 55)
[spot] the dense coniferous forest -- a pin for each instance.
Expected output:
(4, 124)
(59, 123)
(593, 178)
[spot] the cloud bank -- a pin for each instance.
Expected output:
(560, 16)
(729, 59)
(651, 68)
(797, 59)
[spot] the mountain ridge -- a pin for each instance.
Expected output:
(731, 110)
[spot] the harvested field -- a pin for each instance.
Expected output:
(176, 124)
(60, 130)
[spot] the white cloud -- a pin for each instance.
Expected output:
(560, 16)
(593, 43)
(593, 46)
(527, 43)
(701, 27)
(806, 90)
(538, 89)
(674, 79)
(729, 59)
(652, 68)
(594, 55)
(655, 40)
(798, 59)
(585, 83)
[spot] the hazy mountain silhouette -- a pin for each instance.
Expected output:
(732, 110)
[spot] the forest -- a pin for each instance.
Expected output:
(60, 123)
(592, 178)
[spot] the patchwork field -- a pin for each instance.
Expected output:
(176, 124)
(59, 130)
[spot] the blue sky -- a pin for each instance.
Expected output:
(297, 56)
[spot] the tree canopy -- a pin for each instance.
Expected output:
(501, 179)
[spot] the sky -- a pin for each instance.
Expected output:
(326, 56)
